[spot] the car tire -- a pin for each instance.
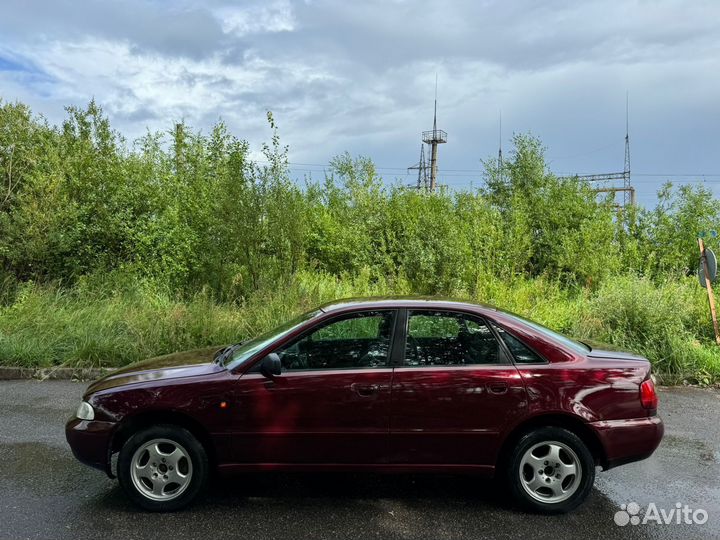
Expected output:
(550, 470)
(162, 468)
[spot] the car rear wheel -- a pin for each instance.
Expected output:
(550, 470)
(162, 468)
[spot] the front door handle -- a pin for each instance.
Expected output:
(364, 389)
(497, 387)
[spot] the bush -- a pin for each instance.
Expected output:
(661, 321)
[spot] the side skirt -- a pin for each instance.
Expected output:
(480, 470)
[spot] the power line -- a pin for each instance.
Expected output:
(474, 173)
(326, 166)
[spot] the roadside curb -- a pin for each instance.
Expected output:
(53, 373)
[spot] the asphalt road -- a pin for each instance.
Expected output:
(45, 493)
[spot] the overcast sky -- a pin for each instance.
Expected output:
(360, 76)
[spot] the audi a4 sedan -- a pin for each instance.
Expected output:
(382, 385)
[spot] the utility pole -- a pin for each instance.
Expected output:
(500, 156)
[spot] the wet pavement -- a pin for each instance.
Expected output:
(45, 493)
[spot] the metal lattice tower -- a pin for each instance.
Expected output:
(423, 181)
(627, 190)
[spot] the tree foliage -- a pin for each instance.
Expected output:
(191, 211)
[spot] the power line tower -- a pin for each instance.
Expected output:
(627, 190)
(423, 180)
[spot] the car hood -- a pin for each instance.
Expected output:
(604, 350)
(169, 366)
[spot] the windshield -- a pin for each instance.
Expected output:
(570, 343)
(246, 351)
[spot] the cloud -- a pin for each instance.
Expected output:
(242, 21)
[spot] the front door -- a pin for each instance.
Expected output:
(454, 393)
(331, 403)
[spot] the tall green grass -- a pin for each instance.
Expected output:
(668, 323)
(94, 324)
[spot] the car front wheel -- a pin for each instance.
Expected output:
(162, 468)
(550, 470)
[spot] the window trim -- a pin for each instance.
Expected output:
(326, 322)
(494, 327)
(505, 357)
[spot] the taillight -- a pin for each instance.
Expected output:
(648, 396)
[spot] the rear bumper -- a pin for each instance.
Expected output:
(628, 440)
(90, 442)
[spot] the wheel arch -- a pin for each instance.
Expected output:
(572, 423)
(132, 424)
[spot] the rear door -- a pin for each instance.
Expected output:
(331, 403)
(454, 392)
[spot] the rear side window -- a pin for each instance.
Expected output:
(440, 338)
(521, 352)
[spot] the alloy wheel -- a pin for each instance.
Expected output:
(550, 472)
(161, 469)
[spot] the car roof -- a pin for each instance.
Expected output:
(417, 302)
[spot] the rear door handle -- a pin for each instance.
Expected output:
(497, 387)
(364, 389)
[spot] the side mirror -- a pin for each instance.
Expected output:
(271, 366)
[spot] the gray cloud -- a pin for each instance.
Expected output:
(172, 28)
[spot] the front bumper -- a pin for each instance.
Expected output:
(628, 440)
(90, 441)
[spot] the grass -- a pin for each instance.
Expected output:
(92, 325)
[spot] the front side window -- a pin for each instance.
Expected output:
(439, 338)
(357, 341)
(246, 350)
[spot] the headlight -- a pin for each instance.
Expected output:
(85, 411)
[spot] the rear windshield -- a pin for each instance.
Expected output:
(569, 343)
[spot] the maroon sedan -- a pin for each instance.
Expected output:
(377, 385)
